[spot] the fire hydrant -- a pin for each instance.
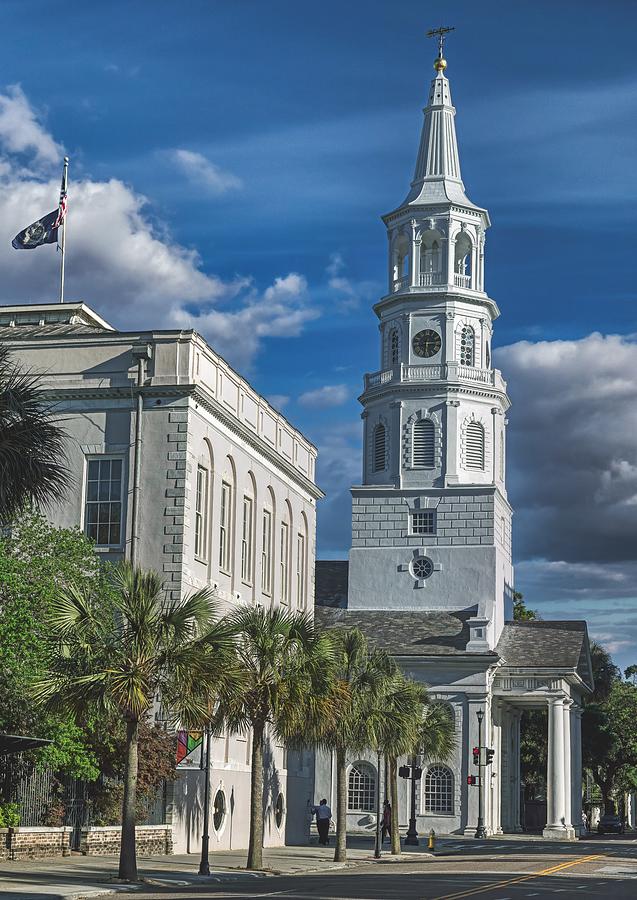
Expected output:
(432, 841)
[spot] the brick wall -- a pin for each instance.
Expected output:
(151, 840)
(34, 843)
(460, 519)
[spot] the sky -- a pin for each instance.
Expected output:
(229, 162)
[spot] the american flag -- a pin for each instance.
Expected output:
(63, 202)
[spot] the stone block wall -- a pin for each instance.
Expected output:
(34, 843)
(151, 840)
(461, 519)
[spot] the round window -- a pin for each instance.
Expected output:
(422, 567)
(219, 812)
(279, 810)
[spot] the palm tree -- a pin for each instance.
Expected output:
(283, 684)
(354, 725)
(31, 444)
(124, 648)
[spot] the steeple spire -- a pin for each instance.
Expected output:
(437, 177)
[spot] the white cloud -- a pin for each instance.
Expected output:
(204, 173)
(347, 293)
(20, 130)
(119, 260)
(326, 396)
(278, 401)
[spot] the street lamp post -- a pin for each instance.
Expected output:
(204, 865)
(377, 842)
(481, 831)
(412, 834)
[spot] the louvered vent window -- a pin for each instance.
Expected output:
(467, 343)
(474, 446)
(424, 434)
(379, 448)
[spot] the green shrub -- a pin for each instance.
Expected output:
(9, 815)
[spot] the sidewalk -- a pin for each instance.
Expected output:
(78, 876)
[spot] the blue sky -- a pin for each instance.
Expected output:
(249, 148)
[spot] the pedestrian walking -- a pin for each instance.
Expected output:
(386, 823)
(323, 817)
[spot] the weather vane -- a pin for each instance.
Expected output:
(440, 33)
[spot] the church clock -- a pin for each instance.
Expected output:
(426, 343)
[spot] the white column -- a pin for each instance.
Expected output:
(515, 770)
(496, 780)
(451, 252)
(451, 448)
(568, 763)
(576, 768)
(556, 826)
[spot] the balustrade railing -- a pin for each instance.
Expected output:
(462, 281)
(401, 283)
(431, 279)
(441, 372)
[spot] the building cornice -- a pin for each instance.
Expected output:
(195, 393)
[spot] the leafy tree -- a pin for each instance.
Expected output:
(605, 672)
(520, 611)
(609, 738)
(282, 683)
(118, 653)
(36, 562)
(31, 443)
(631, 673)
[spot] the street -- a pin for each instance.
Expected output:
(492, 870)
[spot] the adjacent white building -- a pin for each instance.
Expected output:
(430, 577)
(180, 465)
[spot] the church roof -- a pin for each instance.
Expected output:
(405, 633)
(541, 644)
(437, 178)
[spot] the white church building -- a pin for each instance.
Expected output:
(430, 576)
(181, 466)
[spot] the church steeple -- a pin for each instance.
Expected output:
(437, 177)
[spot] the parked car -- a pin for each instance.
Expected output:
(611, 824)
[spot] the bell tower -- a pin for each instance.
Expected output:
(431, 524)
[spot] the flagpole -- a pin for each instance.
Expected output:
(63, 242)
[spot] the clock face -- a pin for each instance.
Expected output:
(426, 343)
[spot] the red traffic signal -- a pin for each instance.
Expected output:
(471, 779)
(476, 756)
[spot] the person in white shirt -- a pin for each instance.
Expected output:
(323, 817)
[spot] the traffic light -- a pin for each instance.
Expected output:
(476, 756)
(404, 772)
(471, 779)
(489, 756)
(417, 773)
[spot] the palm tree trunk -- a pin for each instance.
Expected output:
(340, 853)
(255, 846)
(127, 851)
(393, 799)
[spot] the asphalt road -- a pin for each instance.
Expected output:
(506, 870)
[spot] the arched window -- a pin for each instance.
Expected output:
(379, 448)
(467, 346)
(423, 444)
(439, 790)
(474, 446)
(394, 347)
(401, 262)
(487, 356)
(462, 258)
(361, 788)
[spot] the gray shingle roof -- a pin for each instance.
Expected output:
(405, 633)
(546, 644)
(25, 332)
(331, 582)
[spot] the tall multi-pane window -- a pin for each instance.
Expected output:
(439, 790)
(246, 540)
(225, 525)
(361, 788)
(379, 448)
(423, 522)
(285, 555)
(266, 552)
(424, 444)
(301, 571)
(201, 514)
(103, 505)
(467, 346)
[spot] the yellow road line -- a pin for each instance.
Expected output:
(469, 892)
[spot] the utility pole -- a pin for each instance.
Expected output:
(204, 865)
(481, 831)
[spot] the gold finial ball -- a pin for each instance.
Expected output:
(440, 64)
